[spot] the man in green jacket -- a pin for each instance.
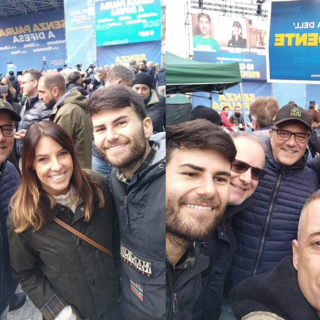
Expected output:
(69, 113)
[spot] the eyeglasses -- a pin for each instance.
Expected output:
(24, 82)
(240, 167)
(284, 135)
(8, 130)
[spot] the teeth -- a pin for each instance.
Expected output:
(116, 147)
(289, 151)
(199, 207)
(237, 187)
(60, 176)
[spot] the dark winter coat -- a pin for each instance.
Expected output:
(15, 83)
(141, 211)
(265, 230)
(54, 261)
(219, 246)
(275, 292)
(79, 87)
(33, 111)
(184, 288)
(161, 77)
(71, 116)
(156, 110)
(9, 182)
(314, 143)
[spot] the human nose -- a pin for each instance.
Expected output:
(55, 164)
(206, 188)
(291, 141)
(112, 134)
(246, 176)
(2, 137)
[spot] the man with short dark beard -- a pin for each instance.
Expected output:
(199, 158)
(122, 133)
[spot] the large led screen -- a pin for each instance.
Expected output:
(127, 21)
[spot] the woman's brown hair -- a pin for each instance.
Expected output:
(30, 202)
(12, 90)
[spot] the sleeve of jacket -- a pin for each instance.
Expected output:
(67, 121)
(26, 270)
(314, 141)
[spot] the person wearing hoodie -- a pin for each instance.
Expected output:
(68, 112)
(155, 103)
(160, 79)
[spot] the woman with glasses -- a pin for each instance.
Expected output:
(68, 273)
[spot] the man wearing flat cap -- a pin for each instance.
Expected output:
(155, 103)
(264, 231)
(9, 182)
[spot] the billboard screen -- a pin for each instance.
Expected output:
(127, 21)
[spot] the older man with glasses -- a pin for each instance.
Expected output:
(9, 182)
(220, 245)
(264, 231)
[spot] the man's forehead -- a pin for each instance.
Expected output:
(106, 116)
(310, 220)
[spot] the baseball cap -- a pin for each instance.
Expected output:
(290, 112)
(6, 106)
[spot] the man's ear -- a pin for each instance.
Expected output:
(295, 250)
(55, 91)
(147, 127)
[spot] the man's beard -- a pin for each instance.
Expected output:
(237, 114)
(50, 104)
(189, 231)
(135, 154)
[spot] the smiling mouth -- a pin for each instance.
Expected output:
(58, 177)
(289, 151)
(199, 207)
(239, 188)
(119, 146)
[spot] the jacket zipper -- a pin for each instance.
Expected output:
(175, 303)
(267, 222)
(125, 204)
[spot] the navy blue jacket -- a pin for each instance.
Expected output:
(220, 247)
(9, 183)
(161, 77)
(183, 293)
(265, 230)
(141, 209)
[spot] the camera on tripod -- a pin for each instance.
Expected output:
(79, 66)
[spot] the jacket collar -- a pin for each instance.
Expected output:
(231, 210)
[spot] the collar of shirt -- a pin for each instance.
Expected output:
(187, 261)
(146, 163)
(61, 100)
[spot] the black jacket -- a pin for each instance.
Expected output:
(161, 77)
(276, 291)
(314, 143)
(141, 211)
(156, 110)
(53, 261)
(79, 87)
(219, 246)
(33, 111)
(15, 83)
(184, 287)
(9, 182)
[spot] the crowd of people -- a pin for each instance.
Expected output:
(78, 249)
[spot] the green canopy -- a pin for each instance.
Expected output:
(184, 75)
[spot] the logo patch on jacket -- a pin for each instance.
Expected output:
(140, 265)
(137, 289)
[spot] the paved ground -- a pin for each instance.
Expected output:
(27, 312)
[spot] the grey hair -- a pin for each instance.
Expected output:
(249, 136)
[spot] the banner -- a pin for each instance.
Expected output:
(150, 51)
(80, 32)
(219, 39)
(27, 40)
(294, 46)
(232, 97)
(127, 21)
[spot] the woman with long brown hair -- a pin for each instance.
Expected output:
(65, 275)
(12, 94)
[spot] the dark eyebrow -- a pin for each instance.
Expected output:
(45, 155)
(218, 173)
(114, 121)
